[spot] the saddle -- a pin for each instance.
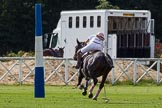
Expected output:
(86, 54)
(93, 51)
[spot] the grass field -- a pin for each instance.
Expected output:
(70, 97)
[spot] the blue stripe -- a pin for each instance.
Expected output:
(39, 82)
(38, 20)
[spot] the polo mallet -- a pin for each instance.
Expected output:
(105, 97)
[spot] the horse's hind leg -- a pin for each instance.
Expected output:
(90, 91)
(92, 87)
(100, 86)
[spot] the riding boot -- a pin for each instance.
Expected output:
(79, 57)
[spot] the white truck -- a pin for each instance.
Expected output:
(128, 33)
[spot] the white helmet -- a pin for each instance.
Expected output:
(100, 35)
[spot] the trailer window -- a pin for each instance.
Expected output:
(98, 21)
(54, 38)
(77, 22)
(84, 21)
(70, 22)
(91, 21)
(144, 23)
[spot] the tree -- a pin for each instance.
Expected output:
(17, 30)
(104, 4)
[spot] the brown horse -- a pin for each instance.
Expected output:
(54, 52)
(93, 66)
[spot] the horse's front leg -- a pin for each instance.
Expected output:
(100, 87)
(85, 88)
(80, 77)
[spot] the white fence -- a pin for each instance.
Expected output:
(59, 71)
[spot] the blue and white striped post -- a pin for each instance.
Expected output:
(39, 65)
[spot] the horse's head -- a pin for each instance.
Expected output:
(77, 47)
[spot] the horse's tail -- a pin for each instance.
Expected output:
(109, 60)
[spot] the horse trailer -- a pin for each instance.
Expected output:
(128, 33)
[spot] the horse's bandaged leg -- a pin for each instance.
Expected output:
(98, 92)
(91, 89)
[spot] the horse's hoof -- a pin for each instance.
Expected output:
(84, 93)
(80, 87)
(94, 98)
(90, 95)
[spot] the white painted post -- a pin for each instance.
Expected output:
(66, 71)
(113, 74)
(158, 72)
(20, 71)
(135, 72)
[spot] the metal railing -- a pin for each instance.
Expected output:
(21, 70)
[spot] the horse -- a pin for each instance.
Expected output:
(93, 66)
(54, 52)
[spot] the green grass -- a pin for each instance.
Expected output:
(121, 96)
